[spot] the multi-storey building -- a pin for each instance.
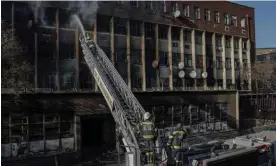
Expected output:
(215, 40)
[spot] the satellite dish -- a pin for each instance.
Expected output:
(176, 14)
(155, 64)
(193, 74)
(181, 74)
(180, 65)
(204, 74)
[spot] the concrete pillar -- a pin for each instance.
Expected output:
(112, 49)
(95, 40)
(204, 57)
(157, 54)
(237, 110)
(77, 57)
(241, 63)
(193, 54)
(182, 52)
(57, 50)
(248, 46)
(214, 50)
(128, 55)
(35, 47)
(143, 57)
(233, 61)
(223, 62)
(170, 57)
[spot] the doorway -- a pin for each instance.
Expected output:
(96, 135)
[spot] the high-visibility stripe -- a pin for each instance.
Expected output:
(147, 123)
(177, 147)
(179, 132)
(148, 136)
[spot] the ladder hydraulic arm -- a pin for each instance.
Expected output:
(125, 108)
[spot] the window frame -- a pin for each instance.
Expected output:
(207, 15)
(226, 18)
(217, 17)
(234, 20)
(186, 10)
(197, 12)
(242, 21)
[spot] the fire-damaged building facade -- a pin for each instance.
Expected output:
(185, 62)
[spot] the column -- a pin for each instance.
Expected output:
(128, 55)
(193, 54)
(214, 60)
(170, 57)
(233, 61)
(182, 52)
(57, 50)
(77, 56)
(204, 57)
(223, 62)
(95, 40)
(112, 50)
(35, 47)
(143, 57)
(241, 63)
(248, 46)
(157, 54)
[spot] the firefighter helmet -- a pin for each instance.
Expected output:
(147, 115)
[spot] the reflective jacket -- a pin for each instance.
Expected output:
(147, 129)
(175, 138)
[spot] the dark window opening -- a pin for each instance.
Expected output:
(176, 58)
(187, 36)
(64, 18)
(163, 58)
(219, 63)
(175, 33)
(135, 28)
(188, 60)
(47, 16)
(163, 32)
(120, 26)
(199, 61)
(227, 42)
(198, 38)
(149, 30)
(85, 77)
(228, 63)
(103, 23)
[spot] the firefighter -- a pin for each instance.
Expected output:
(174, 142)
(149, 135)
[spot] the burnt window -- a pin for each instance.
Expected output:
(135, 28)
(47, 16)
(103, 23)
(134, 4)
(149, 30)
(175, 33)
(120, 26)
(67, 51)
(149, 5)
(187, 36)
(163, 32)
(64, 16)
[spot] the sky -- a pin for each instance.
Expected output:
(265, 22)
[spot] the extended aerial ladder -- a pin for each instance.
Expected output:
(125, 108)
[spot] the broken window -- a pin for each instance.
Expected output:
(175, 33)
(135, 28)
(187, 36)
(163, 32)
(120, 26)
(149, 30)
(148, 4)
(134, 4)
(103, 23)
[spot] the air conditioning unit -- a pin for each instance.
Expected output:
(243, 31)
(226, 28)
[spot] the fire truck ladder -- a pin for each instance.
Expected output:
(125, 109)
